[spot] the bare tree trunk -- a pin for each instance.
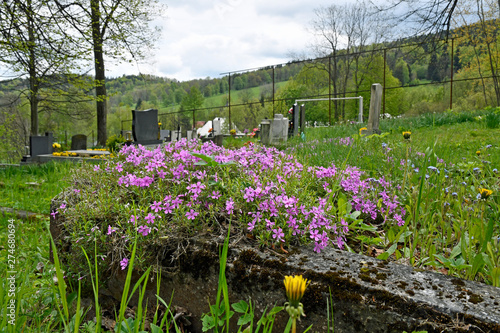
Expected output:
(100, 74)
(33, 93)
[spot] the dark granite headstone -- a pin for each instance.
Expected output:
(145, 126)
(78, 141)
(302, 118)
(294, 124)
(41, 145)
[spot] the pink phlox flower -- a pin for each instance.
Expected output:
(191, 215)
(249, 194)
(124, 263)
(167, 209)
(97, 168)
(54, 213)
(133, 219)
(215, 195)
(156, 206)
(110, 230)
(119, 167)
(177, 201)
(144, 230)
(230, 206)
(161, 173)
(278, 234)
(150, 218)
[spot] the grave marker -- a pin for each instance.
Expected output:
(78, 142)
(279, 130)
(41, 145)
(145, 126)
(375, 104)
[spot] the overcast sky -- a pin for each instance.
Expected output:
(206, 38)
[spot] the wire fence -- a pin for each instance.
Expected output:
(435, 65)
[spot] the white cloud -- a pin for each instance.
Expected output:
(203, 38)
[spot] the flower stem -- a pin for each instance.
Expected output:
(294, 325)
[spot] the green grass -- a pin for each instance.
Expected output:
(32, 187)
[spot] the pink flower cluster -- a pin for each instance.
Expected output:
(266, 191)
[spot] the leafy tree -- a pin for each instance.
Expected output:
(401, 72)
(111, 29)
(32, 44)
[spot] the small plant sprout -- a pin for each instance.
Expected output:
(295, 287)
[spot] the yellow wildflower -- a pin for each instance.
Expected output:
(406, 135)
(478, 152)
(485, 193)
(362, 129)
(295, 287)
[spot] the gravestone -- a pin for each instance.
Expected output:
(145, 127)
(217, 126)
(176, 135)
(265, 129)
(165, 135)
(294, 123)
(192, 135)
(375, 104)
(279, 130)
(302, 118)
(41, 145)
(79, 142)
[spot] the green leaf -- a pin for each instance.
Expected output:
(245, 319)
(240, 307)
(275, 310)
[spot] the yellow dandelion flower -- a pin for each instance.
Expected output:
(362, 129)
(295, 287)
(478, 152)
(407, 135)
(485, 193)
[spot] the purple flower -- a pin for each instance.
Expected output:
(191, 215)
(215, 195)
(124, 263)
(110, 230)
(144, 230)
(54, 213)
(156, 206)
(63, 206)
(230, 206)
(278, 235)
(150, 218)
